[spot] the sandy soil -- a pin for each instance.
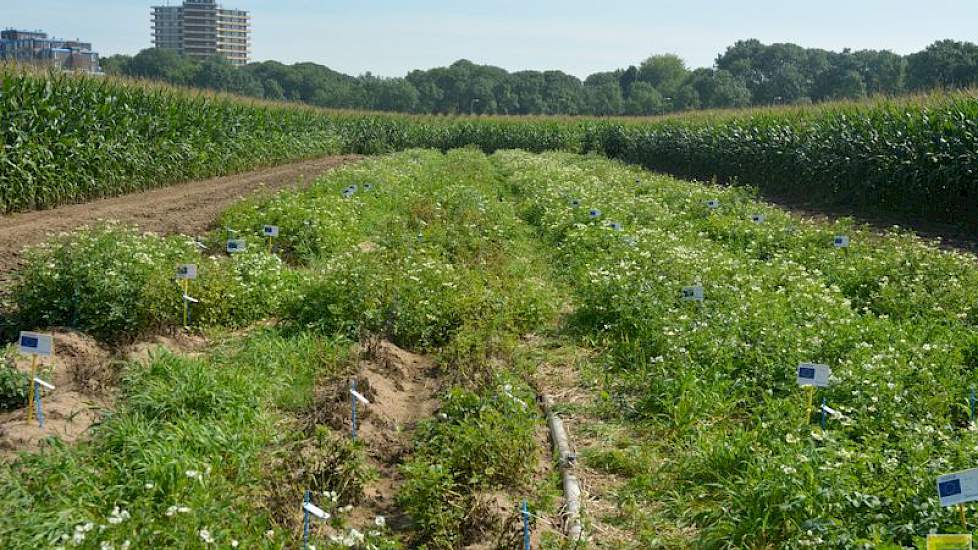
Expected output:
(84, 374)
(188, 208)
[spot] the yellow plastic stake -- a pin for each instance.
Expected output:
(186, 292)
(30, 389)
(964, 522)
(811, 401)
(269, 244)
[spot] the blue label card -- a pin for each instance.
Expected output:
(958, 488)
(34, 343)
(270, 230)
(841, 241)
(236, 245)
(186, 272)
(594, 213)
(693, 294)
(812, 374)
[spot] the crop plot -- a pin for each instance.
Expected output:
(730, 375)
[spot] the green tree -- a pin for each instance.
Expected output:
(644, 100)
(666, 73)
(943, 64)
(164, 65)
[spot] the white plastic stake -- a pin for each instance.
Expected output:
(44, 384)
(359, 397)
(315, 510)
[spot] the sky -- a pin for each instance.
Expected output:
(393, 37)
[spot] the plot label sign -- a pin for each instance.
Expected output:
(958, 488)
(186, 272)
(33, 343)
(713, 204)
(841, 241)
(758, 218)
(236, 245)
(811, 374)
(270, 230)
(693, 294)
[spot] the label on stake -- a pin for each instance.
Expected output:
(44, 384)
(315, 510)
(236, 245)
(758, 218)
(841, 241)
(359, 397)
(693, 294)
(270, 230)
(831, 411)
(713, 204)
(186, 272)
(958, 488)
(811, 374)
(35, 343)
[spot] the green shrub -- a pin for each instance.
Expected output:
(118, 284)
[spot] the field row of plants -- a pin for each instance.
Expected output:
(732, 449)
(217, 450)
(69, 139)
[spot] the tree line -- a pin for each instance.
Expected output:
(748, 73)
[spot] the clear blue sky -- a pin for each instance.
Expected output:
(391, 37)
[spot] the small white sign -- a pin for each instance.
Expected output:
(576, 203)
(811, 374)
(841, 241)
(43, 384)
(359, 397)
(315, 510)
(34, 343)
(693, 294)
(758, 218)
(713, 204)
(186, 272)
(270, 230)
(616, 226)
(367, 186)
(958, 488)
(236, 245)
(594, 213)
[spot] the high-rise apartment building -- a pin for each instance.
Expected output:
(203, 28)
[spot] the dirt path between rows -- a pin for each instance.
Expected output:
(188, 208)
